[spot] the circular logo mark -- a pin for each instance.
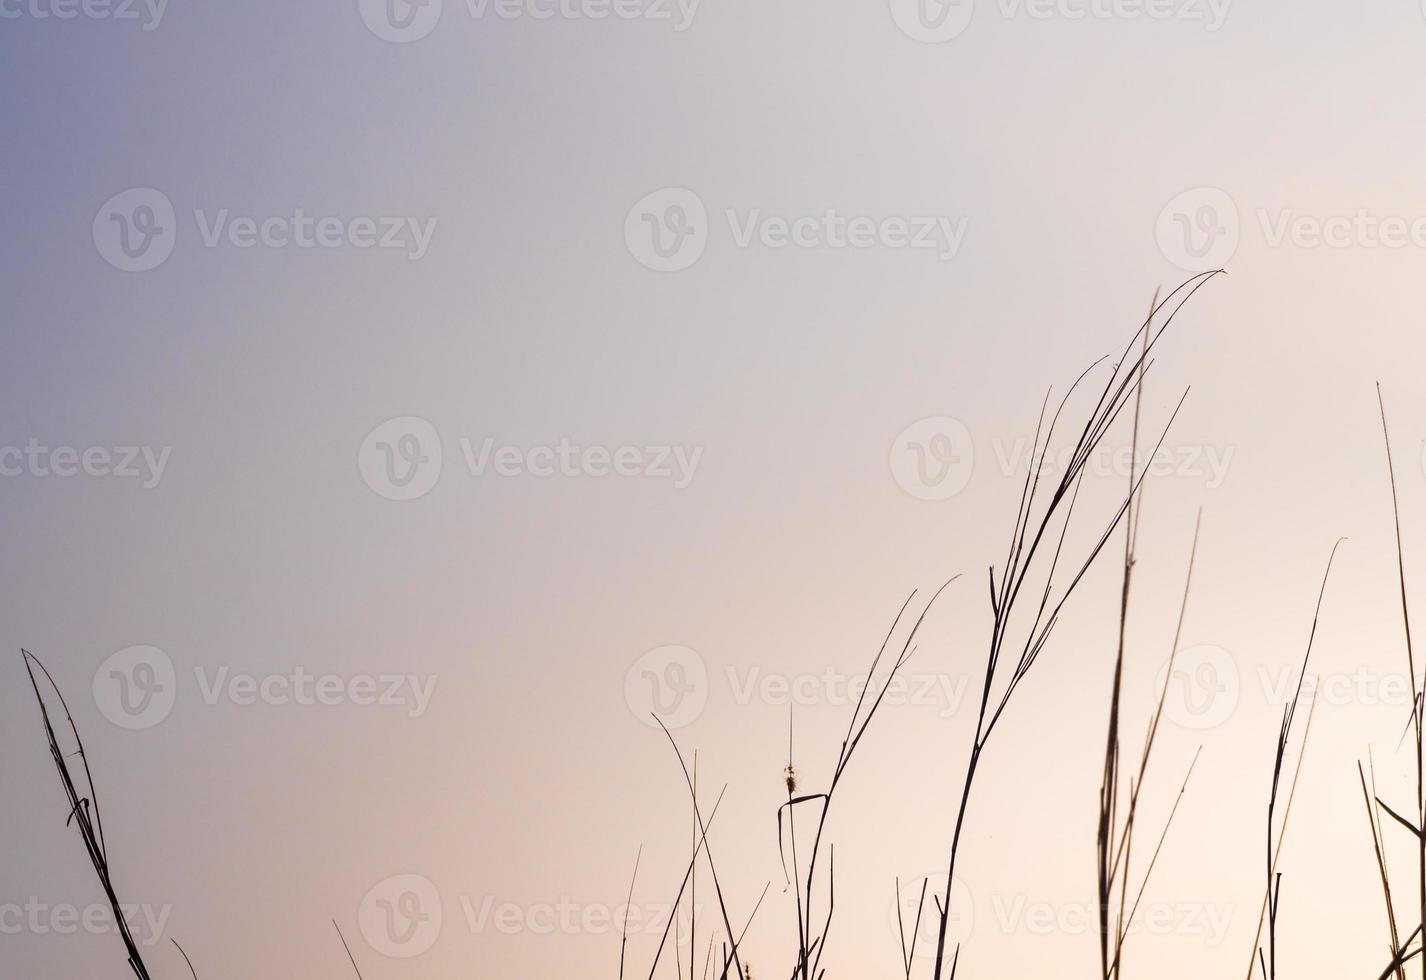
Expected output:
(911, 898)
(932, 21)
(400, 21)
(933, 459)
(1199, 229)
(136, 688)
(401, 916)
(400, 459)
(670, 682)
(135, 229)
(1204, 689)
(667, 230)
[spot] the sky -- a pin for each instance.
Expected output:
(400, 403)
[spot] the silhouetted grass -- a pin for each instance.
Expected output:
(1402, 952)
(1028, 592)
(78, 783)
(1114, 842)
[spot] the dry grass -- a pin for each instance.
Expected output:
(1028, 591)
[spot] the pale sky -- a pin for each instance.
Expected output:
(322, 308)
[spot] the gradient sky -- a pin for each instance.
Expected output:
(1055, 143)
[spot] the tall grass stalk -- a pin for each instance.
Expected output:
(1114, 844)
(1267, 959)
(1036, 546)
(78, 783)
